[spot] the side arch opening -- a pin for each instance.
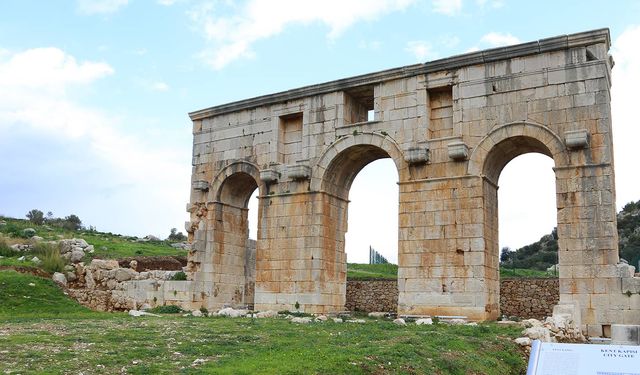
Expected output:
(233, 252)
(534, 192)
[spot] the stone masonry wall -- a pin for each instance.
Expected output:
(524, 298)
(372, 295)
(528, 298)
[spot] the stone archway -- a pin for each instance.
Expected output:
(337, 169)
(441, 124)
(503, 144)
(222, 261)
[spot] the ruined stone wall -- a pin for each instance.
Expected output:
(528, 298)
(372, 295)
(524, 298)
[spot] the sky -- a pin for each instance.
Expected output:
(94, 96)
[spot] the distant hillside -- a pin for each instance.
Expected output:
(542, 254)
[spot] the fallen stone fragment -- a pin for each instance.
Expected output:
(232, 313)
(301, 320)
(377, 314)
(141, 313)
(424, 321)
(359, 321)
(400, 322)
(267, 314)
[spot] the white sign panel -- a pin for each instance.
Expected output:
(583, 359)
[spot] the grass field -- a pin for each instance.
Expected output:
(42, 331)
(356, 271)
(107, 245)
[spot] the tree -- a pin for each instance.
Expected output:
(72, 222)
(505, 255)
(176, 236)
(36, 216)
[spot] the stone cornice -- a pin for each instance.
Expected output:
(449, 63)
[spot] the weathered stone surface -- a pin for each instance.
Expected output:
(76, 256)
(104, 264)
(528, 298)
(59, 278)
(374, 296)
(625, 334)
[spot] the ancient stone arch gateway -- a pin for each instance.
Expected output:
(450, 126)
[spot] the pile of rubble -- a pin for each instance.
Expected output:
(563, 326)
(75, 249)
(101, 285)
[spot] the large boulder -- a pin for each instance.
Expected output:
(76, 255)
(124, 274)
(109, 264)
(59, 278)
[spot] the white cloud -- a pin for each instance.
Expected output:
(493, 4)
(447, 7)
(159, 86)
(49, 69)
(626, 79)
(494, 39)
(100, 6)
(37, 101)
(167, 2)
(230, 36)
(421, 50)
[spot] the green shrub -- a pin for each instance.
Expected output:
(179, 276)
(5, 249)
(169, 309)
(50, 256)
(36, 216)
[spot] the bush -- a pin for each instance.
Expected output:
(36, 216)
(72, 222)
(176, 236)
(5, 249)
(179, 276)
(50, 256)
(169, 309)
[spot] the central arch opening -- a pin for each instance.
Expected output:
(364, 179)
